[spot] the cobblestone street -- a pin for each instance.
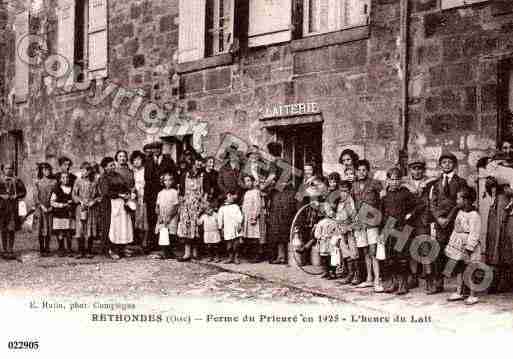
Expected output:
(140, 278)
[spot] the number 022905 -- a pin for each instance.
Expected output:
(23, 345)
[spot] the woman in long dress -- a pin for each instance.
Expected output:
(194, 199)
(115, 192)
(42, 224)
(12, 191)
(499, 234)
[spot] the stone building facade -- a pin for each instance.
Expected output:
(350, 83)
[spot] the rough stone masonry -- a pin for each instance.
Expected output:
(453, 59)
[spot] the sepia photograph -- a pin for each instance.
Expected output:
(195, 169)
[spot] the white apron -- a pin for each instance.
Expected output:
(121, 231)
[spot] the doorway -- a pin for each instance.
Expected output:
(301, 144)
(10, 149)
(505, 101)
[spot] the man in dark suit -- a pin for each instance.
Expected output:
(156, 165)
(442, 204)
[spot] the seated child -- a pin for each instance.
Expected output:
(325, 232)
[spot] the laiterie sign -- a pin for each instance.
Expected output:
(295, 109)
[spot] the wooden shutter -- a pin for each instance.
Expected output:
(335, 12)
(21, 81)
(502, 7)
(448, 4)
(191, 30)
(66, 35)
(97, 37)
(270, 21)
(468, 2)
(357, 12)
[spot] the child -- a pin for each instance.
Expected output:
(85, 195)
(349, 174)
(397, 203)
(346, 213)
(141, 216)
(325, 232)
(442, 203)
(465, 244)
(211, 235)
(43, 215)
(167, 214)
(230, 220)
(12, 190)
(366, 191)
(61, 201)
(253, 209)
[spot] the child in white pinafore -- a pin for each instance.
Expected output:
(326, 233)
(211, 236)
(253, 208)
(464, 246)
(167, 211)
(230, 222)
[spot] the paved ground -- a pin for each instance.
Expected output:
(142, 277)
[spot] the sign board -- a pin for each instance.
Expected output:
(295, 109)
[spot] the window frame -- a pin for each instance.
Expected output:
(306, 19)
(453, 4)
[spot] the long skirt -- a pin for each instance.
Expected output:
(42, 225)
(121, 229)
(89, 227)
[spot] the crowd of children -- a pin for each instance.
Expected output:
(368, 234)
(387, 236)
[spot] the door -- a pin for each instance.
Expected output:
(505, 101)
(10, 149)
(301, 144)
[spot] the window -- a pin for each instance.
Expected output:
(270, 22)
(206, 28)
(322, 16)
(82, 37)
(21, 79)
(448, 4)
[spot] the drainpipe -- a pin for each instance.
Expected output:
(405, 23)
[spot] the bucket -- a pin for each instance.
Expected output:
(315, 256)
(295, 259)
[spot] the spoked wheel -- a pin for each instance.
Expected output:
(295, 255)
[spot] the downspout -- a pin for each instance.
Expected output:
(405, 24)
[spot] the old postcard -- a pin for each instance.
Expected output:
(317, 169)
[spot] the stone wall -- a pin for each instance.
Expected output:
(453, 87)
(357, 84)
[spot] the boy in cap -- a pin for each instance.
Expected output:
(419, 185)
(442, 205)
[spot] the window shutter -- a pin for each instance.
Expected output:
(502, 7)
(191, 30)
(97, 39)
(66, 35)
(21, 80)
(270, 21)
(357, 12)
(448, 4)
(335, 15)
(468, 2)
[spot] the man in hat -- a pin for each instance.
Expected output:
(156, 165)
(442, 205)
(419, 185)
